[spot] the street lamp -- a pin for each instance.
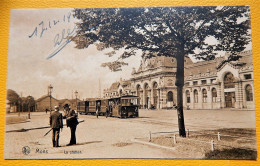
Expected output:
(50, 91)
(76, 95)
(29, 104)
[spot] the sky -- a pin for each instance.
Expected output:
(71, 69)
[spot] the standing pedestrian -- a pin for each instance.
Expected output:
(107, 111)
(56, 125)
(97, 110)
(72, 122)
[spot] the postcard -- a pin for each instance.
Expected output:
(146, 82)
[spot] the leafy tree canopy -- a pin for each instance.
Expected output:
(12, 96)
(166, 31)
(30, 100)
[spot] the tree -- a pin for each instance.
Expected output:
(30, 102)
(165, 31)
(12, 97)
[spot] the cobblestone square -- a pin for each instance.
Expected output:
(111, 137)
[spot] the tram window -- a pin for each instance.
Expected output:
(91, 103)
(129, 102)
(133, 102)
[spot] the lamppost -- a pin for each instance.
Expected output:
(50, 90)
(76, 95)
(29, 104)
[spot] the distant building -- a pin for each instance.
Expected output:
(43, 103)
(62, 103)
(211, 84)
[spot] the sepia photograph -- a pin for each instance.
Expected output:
(117, 83)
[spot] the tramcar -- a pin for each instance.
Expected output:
(83, 107)
(93, 106)
(103, 106)
(124, 106)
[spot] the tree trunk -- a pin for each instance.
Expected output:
(180, 83)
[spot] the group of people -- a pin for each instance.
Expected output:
(56, 122)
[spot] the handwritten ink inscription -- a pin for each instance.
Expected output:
(60, 39)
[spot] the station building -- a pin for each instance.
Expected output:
(211, 84)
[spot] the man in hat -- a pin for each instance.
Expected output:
(72, 122)
(56, 124)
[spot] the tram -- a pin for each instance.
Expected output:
(83, 107)
(124, 106)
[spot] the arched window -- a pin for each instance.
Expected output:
(249, 93)
(195, 96)
(170, 96)
(229, 81)
(138, 89)
(188, 96)
(204, 96)
(214, 95)
(155, 94)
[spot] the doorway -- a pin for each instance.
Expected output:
(230, 99)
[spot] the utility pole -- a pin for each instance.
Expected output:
(50, 88)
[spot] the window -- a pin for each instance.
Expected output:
(187, 83)
(212, 80)
(249, 93)
(214, 95)
(195, 82)
(229, 81)
(248, 76)
(195, 96)
(204, 95)
(170, 96)
(188, 96)
(203, 82)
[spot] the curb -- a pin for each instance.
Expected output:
(152, 144)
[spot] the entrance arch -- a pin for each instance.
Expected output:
(229, 90)
(170, 99)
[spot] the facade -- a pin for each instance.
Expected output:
(220, 84)
(211, 84)
(43, 103)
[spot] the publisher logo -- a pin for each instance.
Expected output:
(26, 150)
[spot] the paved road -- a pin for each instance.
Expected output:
(111, 137)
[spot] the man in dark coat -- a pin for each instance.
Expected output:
(56, 124)
(72, 122)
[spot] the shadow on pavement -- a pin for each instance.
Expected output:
(83, 143)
